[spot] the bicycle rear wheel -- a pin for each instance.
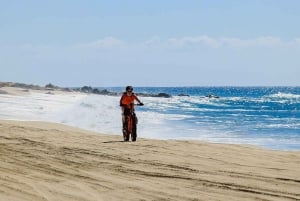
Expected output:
(134, 128)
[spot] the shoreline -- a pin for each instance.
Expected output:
(49, 161)
(42, 110)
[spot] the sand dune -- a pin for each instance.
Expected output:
(45, 161)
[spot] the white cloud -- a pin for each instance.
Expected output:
(191, 41)
(153, 42)
(232, 42)
(295, 42)
(111, 43)
(52, 62)
(256, 42)
(200, 41)
(107, 42)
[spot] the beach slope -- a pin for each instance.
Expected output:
(46, 161)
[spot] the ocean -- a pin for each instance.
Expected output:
(263, 116)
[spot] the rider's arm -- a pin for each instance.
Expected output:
(122, 105)
(121, 101)
(138, 100)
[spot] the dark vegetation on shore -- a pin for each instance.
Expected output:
(84, 89)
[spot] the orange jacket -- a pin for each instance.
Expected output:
(126, 100)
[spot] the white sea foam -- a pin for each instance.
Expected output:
(285, 95)
(35, 106)
(161, 118)
(92, 112)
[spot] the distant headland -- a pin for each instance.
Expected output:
(84, 89)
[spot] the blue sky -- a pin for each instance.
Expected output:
(150, 43)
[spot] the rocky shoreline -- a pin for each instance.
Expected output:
(84, 89)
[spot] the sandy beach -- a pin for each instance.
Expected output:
(50, 161)
(47, 161)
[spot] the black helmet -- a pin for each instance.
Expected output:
(129, 88)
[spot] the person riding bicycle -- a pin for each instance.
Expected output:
(127, 103)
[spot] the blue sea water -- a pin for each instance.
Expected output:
(264, 116)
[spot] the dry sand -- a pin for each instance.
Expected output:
(13, 91)
(46, 161)
(22, 91)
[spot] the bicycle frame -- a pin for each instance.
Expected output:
(130, 123)
(129, 127)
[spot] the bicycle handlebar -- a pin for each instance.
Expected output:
(139, 104)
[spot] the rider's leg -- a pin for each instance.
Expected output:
(125, 129)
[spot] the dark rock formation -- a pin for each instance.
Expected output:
(162, 95)
(212, 96)
(183, 95)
